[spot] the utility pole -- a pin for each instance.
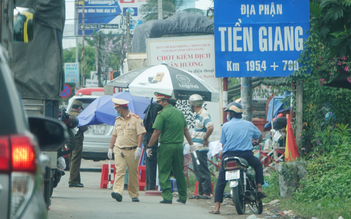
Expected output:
(225, 98)
(83, 23)
(246, 98)
(299, 114)
(128, 32)
(76, 23)
(160, 15)
(76, 28)
(121, 60)
(99, 58)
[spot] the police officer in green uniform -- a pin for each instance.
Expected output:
(76, 156)
(170, 126)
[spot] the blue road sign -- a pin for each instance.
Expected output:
(97, 12)
(133, 11)
(67, 91)
(260, 38)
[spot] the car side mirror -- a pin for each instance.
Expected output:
(51, 134)
(23, 24)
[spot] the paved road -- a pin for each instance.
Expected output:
(93, 202)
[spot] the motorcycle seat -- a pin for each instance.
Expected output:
(241, 160)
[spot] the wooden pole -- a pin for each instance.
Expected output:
(299, 114)
(83, 23)
(128, 32)
(225, 98)
(246, 98)
(159, 9)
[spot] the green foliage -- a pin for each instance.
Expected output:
(323, 209)
(333, 141)
(318, 68)
(112, 49)
(329, 173)
(328, 178)
(69, 56)
(272, 189)
(332, 19)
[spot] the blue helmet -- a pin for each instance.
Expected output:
(234, 107)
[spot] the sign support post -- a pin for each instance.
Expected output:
(225, 98)
(246, 98)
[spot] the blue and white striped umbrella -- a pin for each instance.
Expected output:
(162, 78)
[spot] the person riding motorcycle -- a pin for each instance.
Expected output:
(236, 139)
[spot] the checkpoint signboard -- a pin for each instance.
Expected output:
(260, 38)
(71, 72)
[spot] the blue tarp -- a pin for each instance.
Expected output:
(279, 106)
(102, 109)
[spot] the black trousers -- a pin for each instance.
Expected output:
(151, 163)
(251, 159)
(203, 175)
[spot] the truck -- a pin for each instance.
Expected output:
(26, 46)
(37, 66)
(31, 34)
(134, 61)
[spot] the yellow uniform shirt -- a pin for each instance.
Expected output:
(127, 130)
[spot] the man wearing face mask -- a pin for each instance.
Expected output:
(202, 131)
(236, 139)
(126, 140)
(170, 125)
(75, 156)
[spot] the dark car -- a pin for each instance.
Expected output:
(21, 181)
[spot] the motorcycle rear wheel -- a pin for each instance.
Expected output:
(256, 207)
(239, 197)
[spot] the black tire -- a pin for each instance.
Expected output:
(52, 185)
(71, 142)
(239, 197)
(256, 207)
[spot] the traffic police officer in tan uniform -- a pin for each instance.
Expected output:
(127, 137)
(171, 126)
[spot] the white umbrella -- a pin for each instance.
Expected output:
(162, 78)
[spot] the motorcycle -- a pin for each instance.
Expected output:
(242, 183)
(57, 171)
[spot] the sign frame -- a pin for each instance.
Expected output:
(261, 38)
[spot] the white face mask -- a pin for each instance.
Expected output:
(228, 118)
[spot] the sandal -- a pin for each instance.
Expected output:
(195, 197)
(205, 197)
(214, 212)
(261, 195)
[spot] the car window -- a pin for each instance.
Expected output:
(86, 102)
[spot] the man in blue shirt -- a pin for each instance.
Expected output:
(236, 139)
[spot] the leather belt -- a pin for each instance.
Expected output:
(128, 148)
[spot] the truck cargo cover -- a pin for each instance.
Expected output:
(179, 24)
(38, 65)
